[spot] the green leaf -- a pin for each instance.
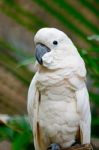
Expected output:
(93, 37)
(21, 141)
(25, 62)
(94, 98)
(19, 124)
(5, 133)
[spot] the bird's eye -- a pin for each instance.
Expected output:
(55, 42)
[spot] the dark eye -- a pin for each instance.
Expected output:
(55, 42)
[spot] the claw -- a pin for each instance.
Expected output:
(54, 146)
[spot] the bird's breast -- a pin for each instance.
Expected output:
(58, 116)
(59, 121)
(59, 91)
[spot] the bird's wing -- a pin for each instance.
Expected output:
(83, 108)
(32, 99)
(77, 82)
(32, 107)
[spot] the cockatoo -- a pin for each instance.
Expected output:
(58, 101)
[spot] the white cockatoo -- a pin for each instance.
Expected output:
(58, 101)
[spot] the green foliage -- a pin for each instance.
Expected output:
(18, 132)
(12, 9)
(27, 62)
(93, 37)
(8, 54)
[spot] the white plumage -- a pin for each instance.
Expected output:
(58, 101)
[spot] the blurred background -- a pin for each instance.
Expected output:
(19, 21)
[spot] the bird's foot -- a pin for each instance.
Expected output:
(54, 146)
(75, 144)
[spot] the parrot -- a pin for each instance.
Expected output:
(58, 100)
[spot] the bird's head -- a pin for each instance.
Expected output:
(53, 47)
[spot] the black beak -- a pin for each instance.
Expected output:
(40, 51)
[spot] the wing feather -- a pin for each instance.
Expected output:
(32, 96)
(77, 83)
(32, 107)
(83, 108)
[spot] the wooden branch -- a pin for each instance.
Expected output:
(80, 147)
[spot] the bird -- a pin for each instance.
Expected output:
(58, 100)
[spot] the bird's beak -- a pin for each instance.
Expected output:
(40, 51)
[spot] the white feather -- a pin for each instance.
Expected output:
(64, 102)
(32, 107)
(83, 108)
